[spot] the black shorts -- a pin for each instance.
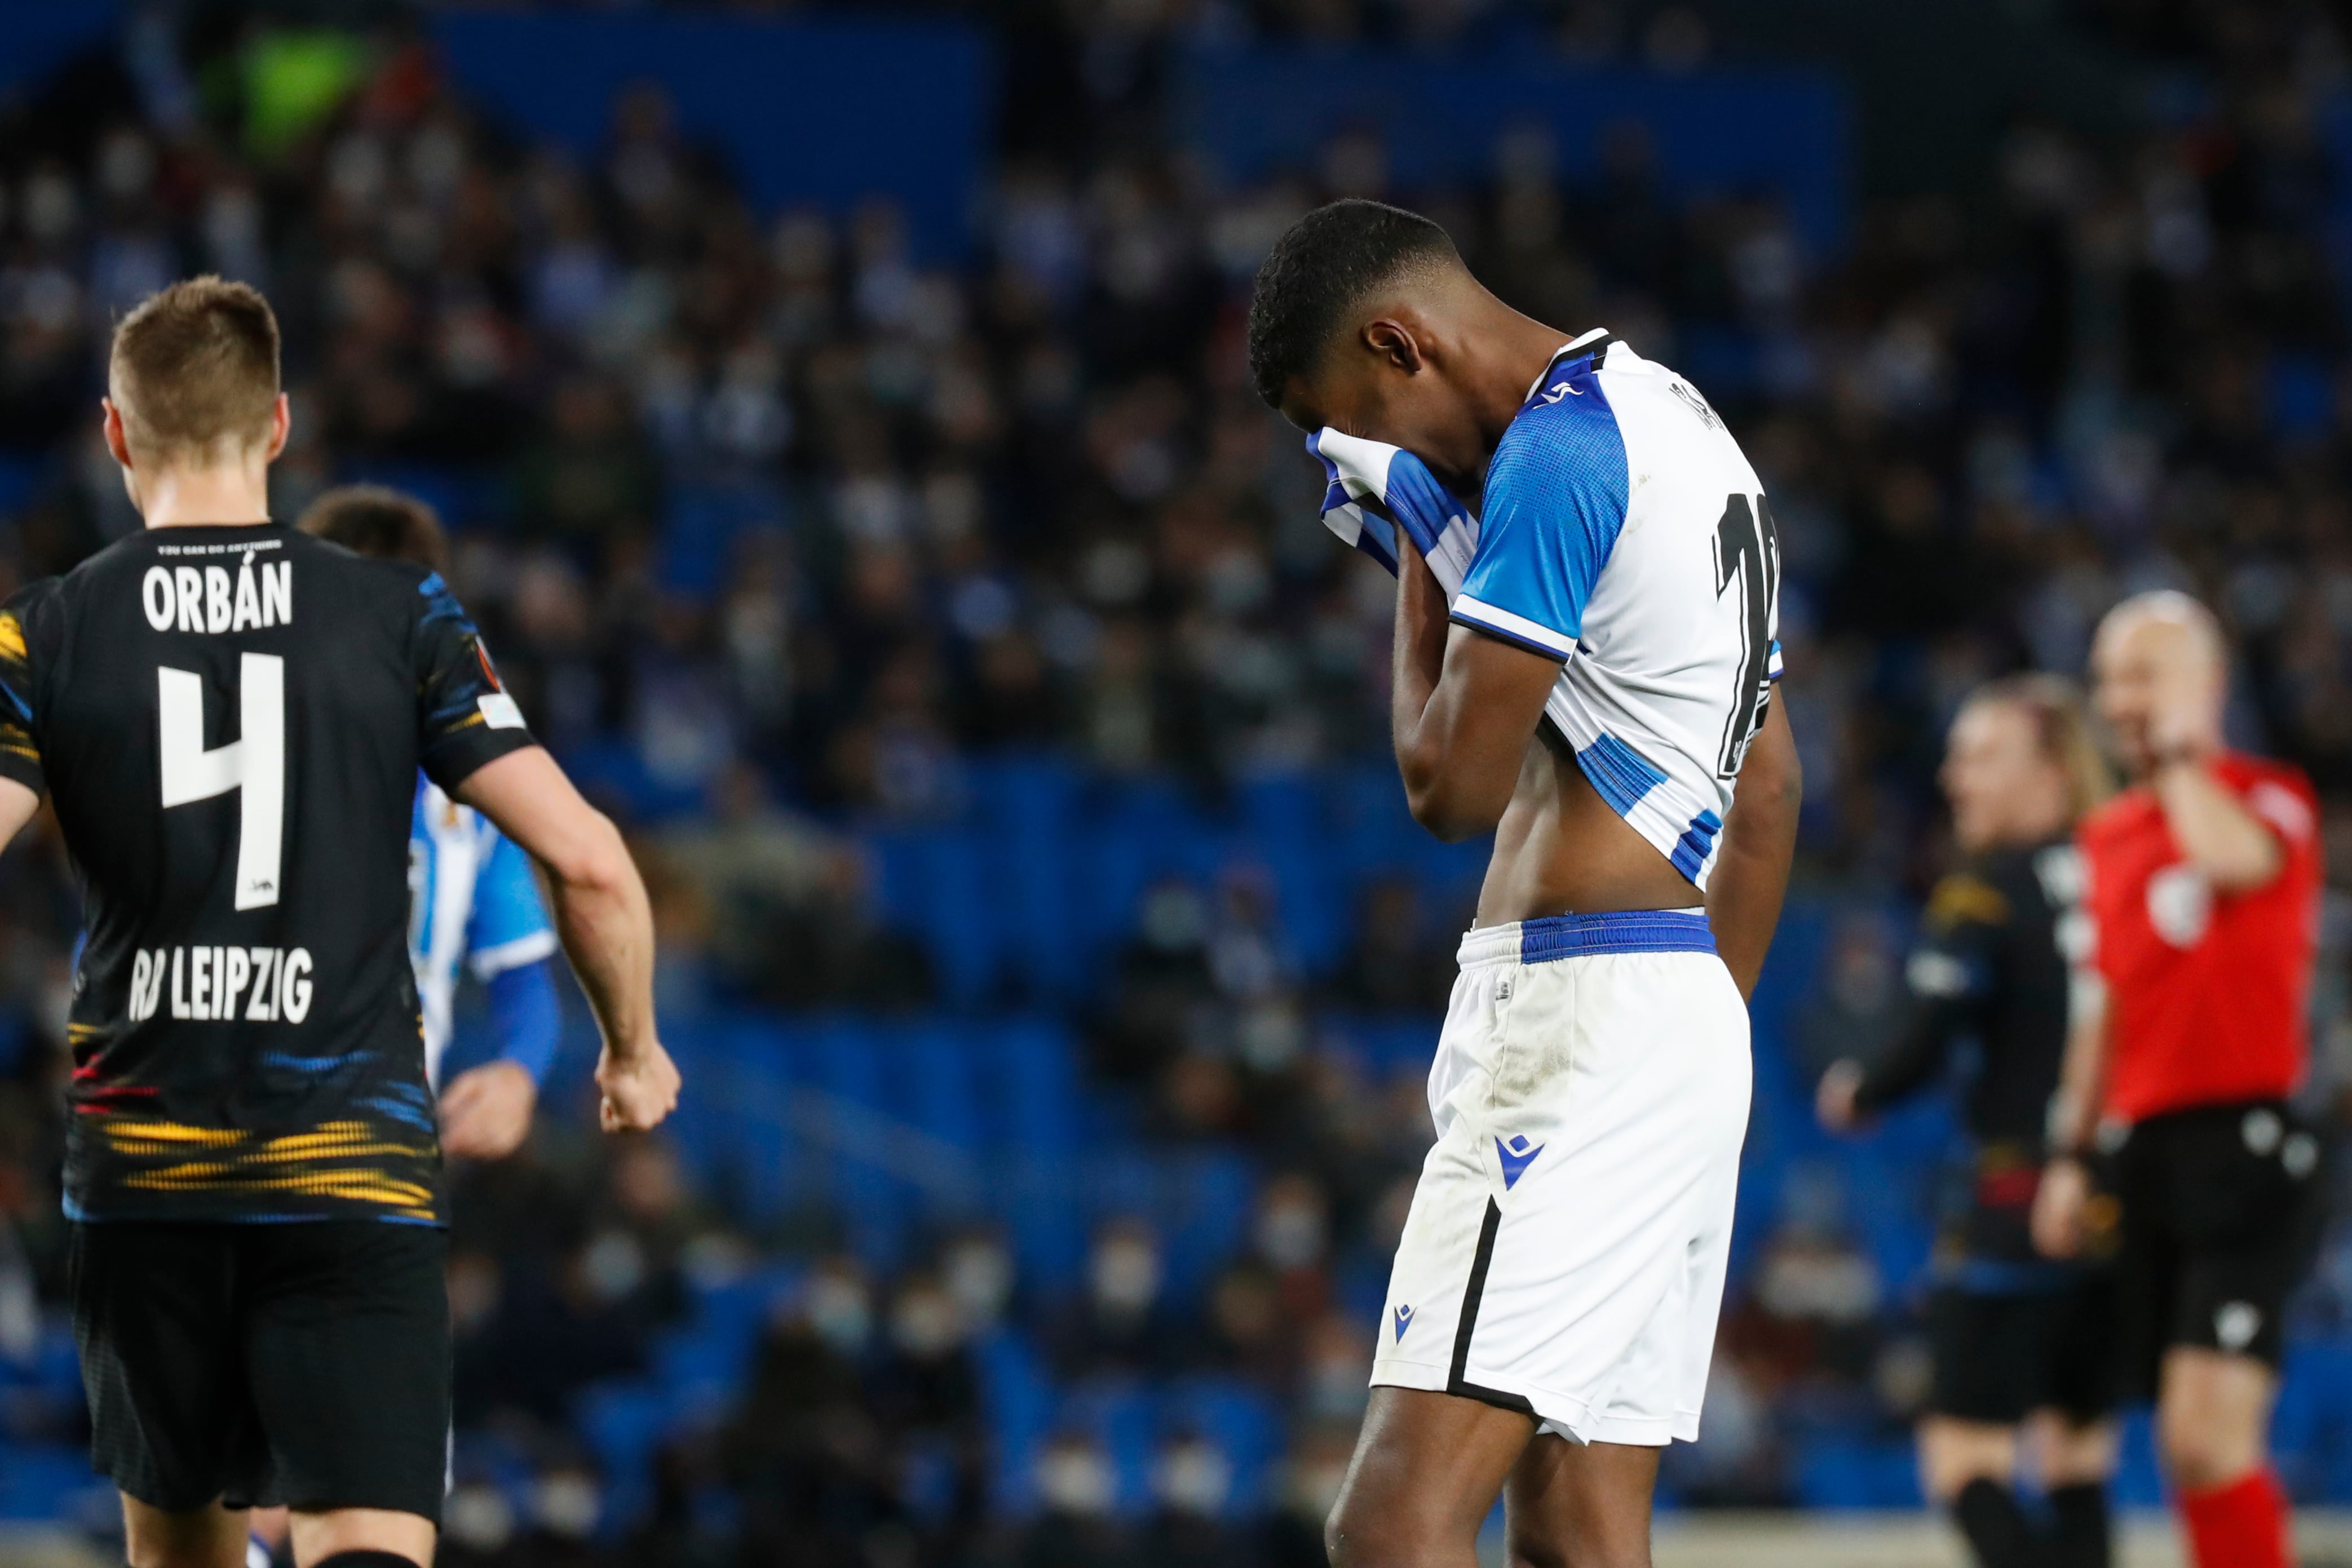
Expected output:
(2220, 1220)
(2000, 1356)
(306, 1363)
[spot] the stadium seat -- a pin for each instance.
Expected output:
(1244, 1422)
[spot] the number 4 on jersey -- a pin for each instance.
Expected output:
(254, 764)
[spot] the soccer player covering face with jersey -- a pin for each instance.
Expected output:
(1584, 663)
(229, 717)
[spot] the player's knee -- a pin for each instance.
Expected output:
(2199, 1453)
(1363, 1534)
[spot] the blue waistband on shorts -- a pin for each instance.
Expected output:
(1617, 931)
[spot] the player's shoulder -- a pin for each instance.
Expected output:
(1565, 440)
(2279, 792)
(1971, 895)
(2122, 814)
(2245, 772)
(368, 573)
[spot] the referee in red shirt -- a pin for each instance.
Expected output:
(2204, 899)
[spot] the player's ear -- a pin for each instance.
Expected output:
(1393, 341)
(117, 443)
(281, 425)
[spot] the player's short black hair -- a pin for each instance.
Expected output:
(377, 520)
(1323, 264)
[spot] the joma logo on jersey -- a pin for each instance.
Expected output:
(207, 983)
(208, 599)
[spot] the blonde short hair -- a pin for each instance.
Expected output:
(193, 368)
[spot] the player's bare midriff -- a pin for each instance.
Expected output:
(1560, 849)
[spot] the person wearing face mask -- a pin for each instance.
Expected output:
(2018, 1366)
(1120, 1323)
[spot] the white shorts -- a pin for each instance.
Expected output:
(1566, 1250)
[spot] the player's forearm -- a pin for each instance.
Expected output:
(2221, 838)
(1915, 1058)
(1417, 662)
(605, 923)
(18, 804)
(1760, 844)
(2074, 1108)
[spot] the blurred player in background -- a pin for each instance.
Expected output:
(251, 1169)
(474, 900)
(2204, 895)
(2019, 1341)
(1584, 663)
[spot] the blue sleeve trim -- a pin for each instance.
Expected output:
(1496, 633)
(526, 1016)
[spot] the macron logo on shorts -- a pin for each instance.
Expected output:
(1404, 1320)
(1516, 1156)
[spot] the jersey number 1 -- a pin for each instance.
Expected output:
(1747, 554)
(254, 764)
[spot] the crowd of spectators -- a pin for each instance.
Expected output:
(804, 526)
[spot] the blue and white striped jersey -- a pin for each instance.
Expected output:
(1622, 532)
(472, 900)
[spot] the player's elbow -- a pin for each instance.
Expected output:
(1444, 810)
(1774, 779)
(596, 858)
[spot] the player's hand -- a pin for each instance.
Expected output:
(486, 1110)
(1834, 1098)
(639, 1090)
(2178, 716)
(2058, 1206)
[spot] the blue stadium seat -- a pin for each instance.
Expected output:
(2137, 1483)
(853, 1058)
(624, 1422)
(1242, 1419)
(1840, 1472)
(1026, 808)
(931, 884)
(1285, 816)
(50, 1482)
(1017, 1401)
(1029, 1092)
(1120, 1414)
(700, 526)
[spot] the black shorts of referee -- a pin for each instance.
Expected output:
(2220, 1220)
(303, 1362)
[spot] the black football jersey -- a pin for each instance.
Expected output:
(229, 723)
(1994, 966)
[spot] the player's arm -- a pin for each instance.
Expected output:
(1462, 706)
(21, 779)
(2065, 1187)
(1759, 841)
(17, 804)
(486, 1110)
(601, 916)
(2232, 848)
(1949, 976)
